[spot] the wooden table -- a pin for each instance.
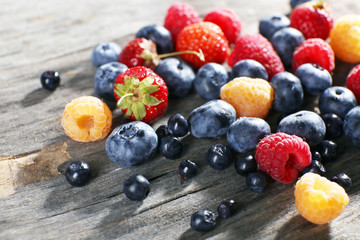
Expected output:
(37, 202)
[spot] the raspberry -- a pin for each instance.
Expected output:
(86, 119)
(313, 19)
(251, 97)
(316, 51)
(180, 15)
(353, 82)
(345, 38)
(258, 48)
(228, 21)
(283, 156)
(318, 199)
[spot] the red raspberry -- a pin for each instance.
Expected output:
(180, 15)
(313, 19)
(258, 48)
(353, 82)
(228, 21)
(317, 51)
(282, 155)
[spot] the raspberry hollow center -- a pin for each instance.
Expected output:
(85, 122)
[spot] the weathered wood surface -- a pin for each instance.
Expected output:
(37, 202)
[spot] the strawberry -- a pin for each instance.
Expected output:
(141, 94)
(258, 48)
(205, 36)
(313, 19)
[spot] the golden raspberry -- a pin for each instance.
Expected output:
(86, 119)
(251, 97)
(345, 38)
(318, 199)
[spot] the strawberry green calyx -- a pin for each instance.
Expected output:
(135, 96)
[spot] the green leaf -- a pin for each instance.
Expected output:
(149, 89)
(150, 100)
(128, 112)
(120, 89)
(127, 81)
(139, 110)
(135, 82)
(147, 81)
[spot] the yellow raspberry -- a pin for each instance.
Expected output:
(86, 119)
(318, 199)
(251, 97)
(345, 38)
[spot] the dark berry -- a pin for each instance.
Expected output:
(178, 125)
(171, 147)
(187, 169)
(78, 173)
(105, 53)
(328, 150)
(245, 164)
(162, 131)
(227, 208)
(249, 68)
(159, 35)
(203, 221)
(314, 167)
(343, 180)
(316, 156)
(257, 181)
(334, 125)
(136, 187)
(272, 23)
(50, 80)
(351, 126)
(218, 156)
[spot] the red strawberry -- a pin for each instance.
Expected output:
(180, 15)
(313, 19)
(205, 36)
(353, 82)
(141, 94)
(258, 48)
(227, 20)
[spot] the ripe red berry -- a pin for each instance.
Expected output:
(316, 51)
(353, 82)
(227, 20)
(313, 19)
(282, 156)
(258, 48)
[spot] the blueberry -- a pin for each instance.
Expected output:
(212, 119)
(105, 53)
(305, 124)
(316, 156)
(187, 169)
(343, 180)
(218, 157)
(136, 187)
(351, 126)
(328, 150)
(162, 131)
(285, 41)
(257, 181)
(246, 132)
(314, 78)
(171, 147)
(209, 79)
(178, 125)
(288, 92)
(249, 68)
(272, 23)
(333, 124)
(315, 167)
(50, 80)
(178, 76)
(245, 164)
(159, 35)
(132, 144)
(105, 78)
(78, 173)
(295, 3)
(203, 221)
(338, 100)
(227, 208)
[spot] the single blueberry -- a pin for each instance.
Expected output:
(218, 157)
(343, 180)
(105, 53)
(162, 131)
(272, 23)
(315, 167)
(132, 144)
(159, 35)
(328, 150)
(245, 164)
(187, 169)
(333, 124)
(285, 41)
(209, 79)
(227, 208)
(171, 147)
(178, 76)
(257, 181)
(351, 126)
(178, 125)
(50, 80)
(203, 221)
(288, 92)
(78, 173)
(316, 156)
(246, 132)
(314, 78)
(136, 187)
(105, 78)
(249, 68)
(338, 100)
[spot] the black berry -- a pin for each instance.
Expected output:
(78, 173)
(178, 125)
(203, 221)
(136, 187)
(227, 208)
(50, 80)
(187, 169)
(343, 180)
(218, 156)
(245, 164)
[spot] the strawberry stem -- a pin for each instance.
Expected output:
(199, 54)
(121, 99)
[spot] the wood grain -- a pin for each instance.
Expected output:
(61, 36)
